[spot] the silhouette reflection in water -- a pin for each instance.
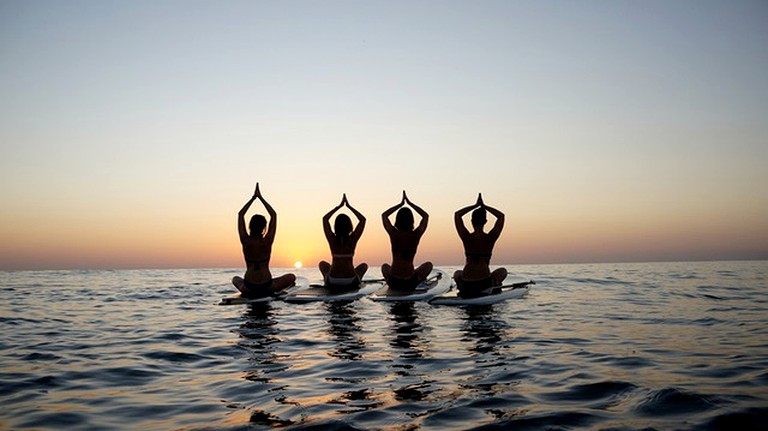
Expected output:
(260, 336)
(497, 374)
(349, 345)
(344, 330)
(408, 340)
(483, 328)
(406, 331)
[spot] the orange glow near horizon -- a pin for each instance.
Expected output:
(211, 240)
(534, 245)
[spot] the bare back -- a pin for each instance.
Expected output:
(257, 252)
(478, 249)
(342, 254)
(404, 246)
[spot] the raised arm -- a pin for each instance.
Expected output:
(459, 221)
(499, 225)
(423, 214)
(242, 231)
(388, 213)
(327, 221)
(272, 229)
(358, 232)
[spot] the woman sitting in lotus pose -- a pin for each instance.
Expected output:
(257, 250)
(342, 240)
(476, 279)
(402, 275)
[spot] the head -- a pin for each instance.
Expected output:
(404, 219)
(342, 226)
(257, 225)
(479, 218)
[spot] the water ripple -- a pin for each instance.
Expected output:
(673, 401)
(623, 347)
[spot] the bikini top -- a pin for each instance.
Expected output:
(343, 256)
(405, 254)
(405, 245)
(477, 255)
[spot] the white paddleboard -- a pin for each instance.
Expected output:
(438, 283)
(302, 283)
(509, 291)
(321, 293)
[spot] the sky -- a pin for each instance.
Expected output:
(131, 132)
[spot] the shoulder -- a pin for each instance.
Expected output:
(254, 241)
(414, 234)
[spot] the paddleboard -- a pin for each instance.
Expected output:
(437, 284)
(322, 293)
(302, 283)
(508, 291)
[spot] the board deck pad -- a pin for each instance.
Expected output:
(508, 291)
(436, 284)
(321, 293)
(302, 283)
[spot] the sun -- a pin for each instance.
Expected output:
(298, 265)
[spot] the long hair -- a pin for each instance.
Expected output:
(479, 217)
(404, 219)
(342, 227)
(257, 225)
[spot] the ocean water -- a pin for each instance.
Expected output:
(605, 346)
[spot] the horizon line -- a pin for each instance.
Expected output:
(289, 268)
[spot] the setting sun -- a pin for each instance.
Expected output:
(298, 265)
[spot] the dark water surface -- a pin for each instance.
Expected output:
(623, 346)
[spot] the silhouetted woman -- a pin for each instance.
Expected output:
(405, 239)
(257, 250)
(476, 279)
(342, 240)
